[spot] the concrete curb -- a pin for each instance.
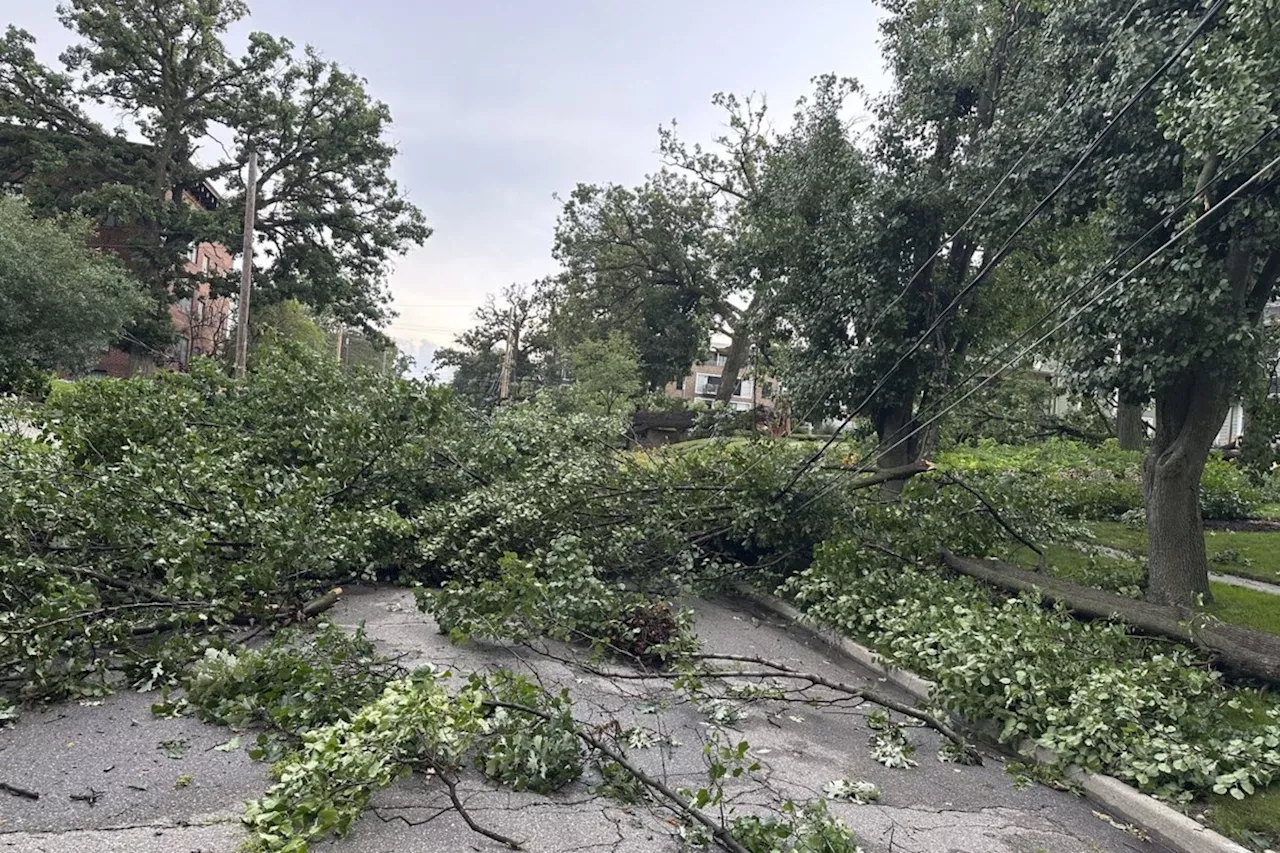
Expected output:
(1163, 823)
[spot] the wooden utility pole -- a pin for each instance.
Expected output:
(508, 361)
(246, 265)
(341, 332)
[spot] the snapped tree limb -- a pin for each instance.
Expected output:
(1238, 650)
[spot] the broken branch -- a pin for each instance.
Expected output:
(783, 671)
(722, 835)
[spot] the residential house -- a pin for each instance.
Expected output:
(703, 384)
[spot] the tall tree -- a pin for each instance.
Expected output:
(641, 262)
(675, 262)
(1188, 321)
(873, 232)
(60, 302)
(521, 313)
(332, 219)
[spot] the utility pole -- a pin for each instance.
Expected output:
(341, 331)
(246, 265)
(508, 361)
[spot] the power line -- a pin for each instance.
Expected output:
(1110, 264)
(1093, 300)
(1044, 129)
(1004, 249)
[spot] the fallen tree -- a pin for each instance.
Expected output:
(1238, 650)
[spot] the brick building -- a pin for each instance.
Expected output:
(202, 321)
(703, 383)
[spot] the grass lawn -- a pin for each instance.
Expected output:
(1233, 604)
(1248, 554)
(1254, 820)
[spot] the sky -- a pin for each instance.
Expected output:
(499, 105)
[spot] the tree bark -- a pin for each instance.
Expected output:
(733, 365)
(894, 423)
(1242, 651)
(1188, 416)
(1129, 426)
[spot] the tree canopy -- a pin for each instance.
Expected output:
(331, 218)
(61, 303)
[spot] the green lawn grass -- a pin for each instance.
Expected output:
(1249, 554)
(1253, 821)
(1236, 605)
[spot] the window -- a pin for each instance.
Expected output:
(680, 384)
(721, 360)
(767, 390)
(191, 251)
(707, 385)
(204, 263)
(200, 303)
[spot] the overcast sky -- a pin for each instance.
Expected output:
(499, 104)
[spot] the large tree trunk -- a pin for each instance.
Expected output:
(733, 365)
(1188, 416)
(1239, 650)
(894, 423)
(1129, 426)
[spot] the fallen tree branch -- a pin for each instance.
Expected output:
(950, 477)
(118, 583)
(451, 786)
(319, 605)
(718, 831)
(888, 475)
(18, 791)
(1241, 651)
(781, 670)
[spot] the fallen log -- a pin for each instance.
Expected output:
(887, 475)
(1237, 650)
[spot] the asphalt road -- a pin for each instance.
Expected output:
(112, 777)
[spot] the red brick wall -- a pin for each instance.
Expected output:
(202, 322)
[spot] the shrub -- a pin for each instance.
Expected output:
(1100, 482)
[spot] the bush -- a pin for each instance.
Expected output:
(1100, 482)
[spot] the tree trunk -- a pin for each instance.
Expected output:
(1129, 426)
(894, 423)
(1239, 650)
(1188, 416)
(733, 365)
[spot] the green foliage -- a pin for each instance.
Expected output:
(1099, 483)
(288, 320)
(292, 685)
(329, 214)
(810, 828)
(324, 787)
(606, 374)
(640, 262)
(415, 724)
(525, 751)
(61, 303)
(154, 511)
(1146, 713)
